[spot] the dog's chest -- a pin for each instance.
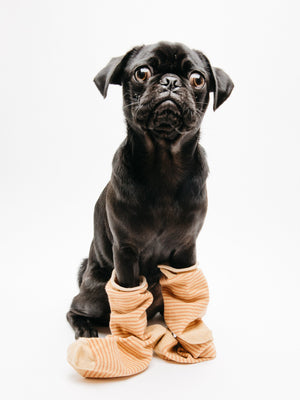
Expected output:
(159, 196)
(164, 205)
(169, 221)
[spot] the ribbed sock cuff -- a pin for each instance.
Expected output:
(115, 285)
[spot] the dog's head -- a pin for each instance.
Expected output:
(165, 88)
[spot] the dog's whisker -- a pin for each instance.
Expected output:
(131, 104)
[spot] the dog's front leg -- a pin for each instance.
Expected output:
(184, 257)
(126, 265)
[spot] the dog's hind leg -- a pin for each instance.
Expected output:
(90, 308)
(81, 270)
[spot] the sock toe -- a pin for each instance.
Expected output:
(81, 357)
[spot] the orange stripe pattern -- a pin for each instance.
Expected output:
(186, 296)
(129, 349)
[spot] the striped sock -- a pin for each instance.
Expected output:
(185, 294)
(129, 349)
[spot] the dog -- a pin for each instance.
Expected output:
(153, 207)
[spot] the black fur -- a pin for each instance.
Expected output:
(154, 206)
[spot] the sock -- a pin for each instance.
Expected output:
(185, 294)
(128, 350)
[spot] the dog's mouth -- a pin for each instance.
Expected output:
(166, 118)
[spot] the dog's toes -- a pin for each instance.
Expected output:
(86, 332)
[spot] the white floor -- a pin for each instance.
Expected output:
(253, 315)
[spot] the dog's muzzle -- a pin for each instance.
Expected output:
(166, 117)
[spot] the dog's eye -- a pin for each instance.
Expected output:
(142, 74)
(197, 80)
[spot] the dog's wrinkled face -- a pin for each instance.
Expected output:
(166, 88)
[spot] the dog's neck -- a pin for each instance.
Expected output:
(156, 158)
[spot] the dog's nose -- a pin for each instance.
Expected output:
(170, 82)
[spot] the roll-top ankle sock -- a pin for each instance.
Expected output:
(128, 350)
(185, 294)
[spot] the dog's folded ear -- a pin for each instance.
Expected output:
(222, 88)
(109, 74)
(221, 83)
(113, 72)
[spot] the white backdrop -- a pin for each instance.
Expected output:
(58, 137)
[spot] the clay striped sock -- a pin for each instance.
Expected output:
(129, 349)
(185, 294)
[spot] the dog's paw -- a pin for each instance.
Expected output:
(85, 332)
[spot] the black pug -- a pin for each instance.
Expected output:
(154, 206)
